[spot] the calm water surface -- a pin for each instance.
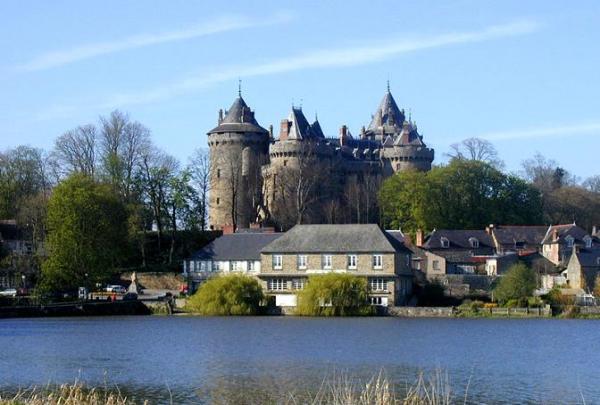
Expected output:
(202, 360)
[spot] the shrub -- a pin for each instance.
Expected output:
(433, 295)
(334, 295)
(517, 284)
(227, 295)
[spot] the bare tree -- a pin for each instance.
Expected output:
(476, 149)
(76, 151)
(199, 167)
(546, 174)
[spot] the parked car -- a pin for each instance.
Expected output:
(9, 292)
(119, 289)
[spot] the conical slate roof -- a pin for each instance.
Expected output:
(388, 116)
(239, 118)
(316, 129)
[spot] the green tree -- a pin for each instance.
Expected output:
(517, 284)
(465, 194)
(334, 295)
(232, 294)
(87, 230)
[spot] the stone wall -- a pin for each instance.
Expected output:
(422, 312)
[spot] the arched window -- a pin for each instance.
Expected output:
(445, 242)
(474, 242)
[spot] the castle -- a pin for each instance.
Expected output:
(303, 176)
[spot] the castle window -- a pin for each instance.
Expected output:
(588, 242)
(445, 242)
(218, 200)
(285, 162)
(218, 173)
(474, 243)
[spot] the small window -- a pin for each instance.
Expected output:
(352, 262)
(570, 241)
(277, 284)
(445, 242)
(377, 261)
(377, 284)
(474, 243)
(277, 262)
(218, 173)
(218, 200)
(285, 163)
(588, 242)
(298, 284)
(326, 261)
(435, 264)
(302, 260)
(251, 266)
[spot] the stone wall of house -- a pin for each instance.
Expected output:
(339, 262)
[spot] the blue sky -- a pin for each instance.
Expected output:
(525, 75)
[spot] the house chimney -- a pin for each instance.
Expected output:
(284, 130)
(228, 229)
(489, 229)
(419, 238)
(554, 235)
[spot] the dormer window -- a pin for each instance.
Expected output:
(474, 243)
(570, 241)
(445, 242)
(588, 242)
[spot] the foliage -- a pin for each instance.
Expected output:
(432, 294)
(231, 294)
(556, 297)
(334, 294)
(517, 284)
(465, 194)
(86, 234)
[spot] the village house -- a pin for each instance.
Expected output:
(18, 266)
(362, 250)
(582, 270)
(237, 252)
(517, 238)
(560, 240)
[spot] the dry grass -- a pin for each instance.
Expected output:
(67, 394)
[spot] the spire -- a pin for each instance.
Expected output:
(239, 87)
(388, 116)
(388, 86)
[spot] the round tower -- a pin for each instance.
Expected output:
(238, 147)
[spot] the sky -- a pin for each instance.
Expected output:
(524, 75)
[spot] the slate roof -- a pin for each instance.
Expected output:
(300, 127)
(589, 257)
(458, 238)
(388, 116)
(563, 231)
(239, 118)
(356, 238)
(398, 240)
(236, 246)
(511, 234)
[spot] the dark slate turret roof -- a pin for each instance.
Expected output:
(388, 117)
(316, 129)
(239, 118)
(364, 238)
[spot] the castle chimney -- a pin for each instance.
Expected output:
(284, 130)
(343, 135)
(271, 132)
(554, 235)
(419, 238)
(220, 116)
(363, 132)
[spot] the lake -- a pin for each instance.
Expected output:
(202, 360)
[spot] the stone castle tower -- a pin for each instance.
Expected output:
(239, 146)
(251, 171)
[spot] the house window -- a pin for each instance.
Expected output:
(377, 284)
(237, 266)
(326, 261)
(570, 241)
(277, 262)
(375, 300)
(436, 264)
(377, 261)
(251, 266)
(302, 260)
(277, 284)
(474, 243)
(352, 261)
(298, 284)
(445, 242)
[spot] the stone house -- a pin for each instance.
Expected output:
(583, 269)
(517, 238)
(230, 253)
(363, 250)
(560, 240)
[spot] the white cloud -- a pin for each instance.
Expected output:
(323, 58)
(586, 128)
(222, 24)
